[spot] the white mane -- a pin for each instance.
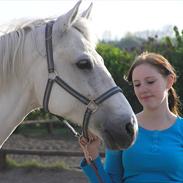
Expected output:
(12, 42)
(11, 47)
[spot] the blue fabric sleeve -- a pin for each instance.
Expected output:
(112, 172)
(113, 165)
(91, 173)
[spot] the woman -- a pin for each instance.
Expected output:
(157, 155)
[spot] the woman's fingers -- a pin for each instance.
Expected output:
(92, 136)
(83, 141)
(93, 142)
(90, 147)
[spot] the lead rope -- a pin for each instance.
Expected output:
(91, 162)
(75, 133)
(87, 154)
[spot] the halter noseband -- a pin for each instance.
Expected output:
(91, 105)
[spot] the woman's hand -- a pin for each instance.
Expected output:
(90, 148)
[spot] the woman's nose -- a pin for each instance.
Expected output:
(143, 88)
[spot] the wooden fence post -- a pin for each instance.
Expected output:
(2, 159)
(49, 128)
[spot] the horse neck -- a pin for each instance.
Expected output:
(17, 94)
(16, 101)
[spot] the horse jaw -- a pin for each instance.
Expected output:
(115, 123)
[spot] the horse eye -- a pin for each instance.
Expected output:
(84, 64)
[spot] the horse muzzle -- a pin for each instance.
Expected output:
(120, 133)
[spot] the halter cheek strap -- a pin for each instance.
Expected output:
(91, 105)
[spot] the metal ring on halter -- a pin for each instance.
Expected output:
(52, 75)
(92, 106)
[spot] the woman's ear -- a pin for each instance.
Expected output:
(170, 81)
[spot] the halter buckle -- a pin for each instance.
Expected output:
(92, 106)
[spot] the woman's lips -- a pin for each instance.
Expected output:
(145, 97)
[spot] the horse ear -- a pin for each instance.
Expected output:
(87, 12)
(66, 21)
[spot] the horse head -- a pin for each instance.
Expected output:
(77, 63)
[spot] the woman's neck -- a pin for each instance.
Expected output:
(156, 119)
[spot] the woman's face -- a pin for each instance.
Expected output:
(150, 86)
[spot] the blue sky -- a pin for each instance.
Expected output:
(116, 17)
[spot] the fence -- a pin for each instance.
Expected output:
(49, 123)
(4, 152)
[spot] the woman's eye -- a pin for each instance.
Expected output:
(84, 64)
(150, 82)
(136, 85)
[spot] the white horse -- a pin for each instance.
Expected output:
(25, 81)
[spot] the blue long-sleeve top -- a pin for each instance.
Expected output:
(155, 157)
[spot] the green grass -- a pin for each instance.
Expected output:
(35, 164)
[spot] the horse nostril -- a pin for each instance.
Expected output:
(130, 128)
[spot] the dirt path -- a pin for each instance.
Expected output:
(41, 176)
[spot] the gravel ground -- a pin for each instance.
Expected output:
(27, 175)
(41, 176)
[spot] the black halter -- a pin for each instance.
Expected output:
(91, 105)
